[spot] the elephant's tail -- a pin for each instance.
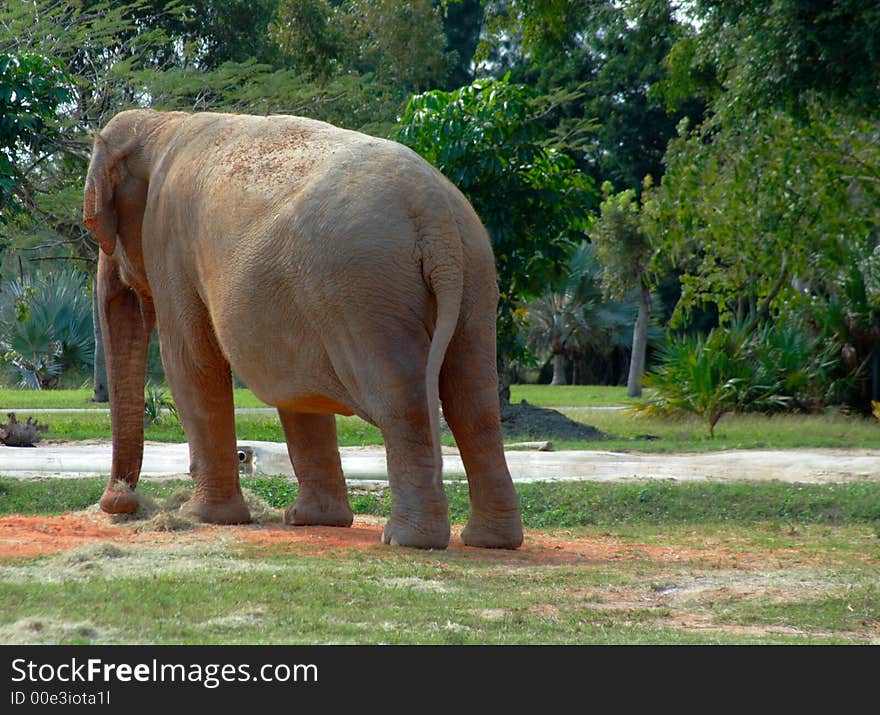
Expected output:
(443, 270)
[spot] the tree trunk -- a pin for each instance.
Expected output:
(639, 347)
(559, 370)
(101, 393)
(503, 382)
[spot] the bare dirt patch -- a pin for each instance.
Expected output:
(32, 536)
(684, 587)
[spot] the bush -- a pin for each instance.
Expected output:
(156, 402)
(46, 327)
(737, 368)
(699, 375)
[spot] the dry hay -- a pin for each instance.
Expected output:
(165, 514)
(38, 630)
(109, 561)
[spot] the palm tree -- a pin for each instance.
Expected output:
(572, 319)
(625, 251)
(46, 326)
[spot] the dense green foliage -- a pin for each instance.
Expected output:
(781, 53)
(769, 208)
(533, 200)
(738, 143)
(46, 327)
(31, 88)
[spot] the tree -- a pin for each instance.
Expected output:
(781, 54)
(626, 252)
(486, 139)
(98, 47)
(557, 319)
(31, 88)
(462, 23)
(612, 54)
(746, 209)
(575, 321)
(769, 206)
(780, 177)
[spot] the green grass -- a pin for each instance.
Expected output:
(546, 395)
(629, 431)
(635, 432)
(551, 505)
(352, 431)
(858, 606)
(749, 563)
(425, 598)
(45, 399)
(570, 395)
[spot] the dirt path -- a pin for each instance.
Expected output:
(368, 463)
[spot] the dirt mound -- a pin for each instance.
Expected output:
(528, 421)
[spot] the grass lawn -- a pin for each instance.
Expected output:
(602, 564)
(48, 399)
(635, 432)
(629, 431)
(546, 395)
(633, 563)
(570, 395)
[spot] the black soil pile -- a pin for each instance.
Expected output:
(525, 421)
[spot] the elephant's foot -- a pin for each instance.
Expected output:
(318, 509)
(404, 532)
(119, 498)
(500, 531)
(231, 511)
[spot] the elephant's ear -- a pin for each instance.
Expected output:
(99, 205)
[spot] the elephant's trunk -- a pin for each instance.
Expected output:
(126, 323)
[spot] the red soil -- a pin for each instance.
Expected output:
(31, 536)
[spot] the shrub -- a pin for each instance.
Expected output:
(46, 327)
(156, 402)
(739, 368)
(697, 375)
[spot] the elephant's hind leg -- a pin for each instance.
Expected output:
(419, 510)
(469, 394)
(314, 453)
(399, 407)
(201, 383)
(397, 404)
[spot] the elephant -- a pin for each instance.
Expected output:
(333, 273)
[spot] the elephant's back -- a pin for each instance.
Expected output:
(257, 158)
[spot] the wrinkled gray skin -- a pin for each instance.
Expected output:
(335, 273)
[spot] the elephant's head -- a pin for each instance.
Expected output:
(117, 184)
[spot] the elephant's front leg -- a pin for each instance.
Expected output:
(314, 453)
(201, 383)
(126, 322)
